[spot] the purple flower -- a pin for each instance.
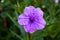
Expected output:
(56, 1)
(32, 19)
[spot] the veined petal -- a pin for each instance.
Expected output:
(29, 10)
(39, 12)
(42, 21)
(40, 24)
(30, 28)
(23, 19)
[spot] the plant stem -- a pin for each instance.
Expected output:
(30, 36)
(27, 38)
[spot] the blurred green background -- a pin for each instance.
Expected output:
(11, 30)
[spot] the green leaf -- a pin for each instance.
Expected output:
(27, 2)
(53, 35)
(3, 14)
(16, 35)
(38, 38)
(20, 27)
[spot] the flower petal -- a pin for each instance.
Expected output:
(42, 21)
(39, 12)
(30, 28)
(23, 19)
(40, 24)
(29, 10)
(56, 1)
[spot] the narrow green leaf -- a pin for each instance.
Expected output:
(27, 2)
(16, 35)
(20, 27)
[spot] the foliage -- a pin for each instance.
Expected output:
(11, 30)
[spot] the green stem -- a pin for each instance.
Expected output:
(30, 36)
(27, 38)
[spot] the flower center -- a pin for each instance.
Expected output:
(31, 19)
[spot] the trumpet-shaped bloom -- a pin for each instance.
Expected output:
(32, 19)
